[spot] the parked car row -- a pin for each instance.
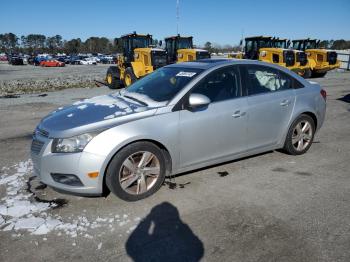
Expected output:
(59, 60)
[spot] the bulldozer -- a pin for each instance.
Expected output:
(138, 59)
(180, 49)
(276, 51)
(321, 60)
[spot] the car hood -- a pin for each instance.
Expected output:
(94, 114)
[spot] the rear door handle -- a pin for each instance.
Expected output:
(238, 114)
(285, 102)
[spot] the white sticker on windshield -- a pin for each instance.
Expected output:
(186, 74)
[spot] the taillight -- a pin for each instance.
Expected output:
(323, 94)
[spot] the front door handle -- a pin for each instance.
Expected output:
(238, 114)
(285, 102)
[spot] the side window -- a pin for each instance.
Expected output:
(265, 80)
(220, 85)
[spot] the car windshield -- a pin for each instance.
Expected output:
(184, 43)
(140, 42)
(310, 45)
(161, 85)
(280, 44)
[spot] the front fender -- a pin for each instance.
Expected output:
(162, 129)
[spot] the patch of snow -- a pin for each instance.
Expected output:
(82, 107)
(20, 211)
(70, 115)
(29, 223)
(8, 227)
(99, 246)
(109, 117)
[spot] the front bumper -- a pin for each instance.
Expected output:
(80, 164)
(325, 67)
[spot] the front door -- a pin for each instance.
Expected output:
(219, 129)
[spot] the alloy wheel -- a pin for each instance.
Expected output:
(302, 135)
(139, 172)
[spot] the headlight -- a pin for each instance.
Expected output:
(71, 145)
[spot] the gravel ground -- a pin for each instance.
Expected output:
(270, 207)
(33, 79)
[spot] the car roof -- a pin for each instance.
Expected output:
(208, 63)
(214, 62)
(203, 63)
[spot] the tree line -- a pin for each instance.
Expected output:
(38, 43)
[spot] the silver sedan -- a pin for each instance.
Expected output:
(181, 117)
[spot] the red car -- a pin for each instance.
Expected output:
(52, 63)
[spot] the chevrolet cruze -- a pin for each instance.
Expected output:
(181, 117)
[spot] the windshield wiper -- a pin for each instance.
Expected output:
(137, 100)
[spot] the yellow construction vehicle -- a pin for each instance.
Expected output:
(321, 60)
(301, 60)
(276, 51)
(138, 59)
(180, 49)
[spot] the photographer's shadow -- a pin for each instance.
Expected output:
(162, 236)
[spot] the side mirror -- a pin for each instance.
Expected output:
(198, 100)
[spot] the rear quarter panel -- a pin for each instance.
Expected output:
(308, 100)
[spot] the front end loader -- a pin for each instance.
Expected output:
(138, 59)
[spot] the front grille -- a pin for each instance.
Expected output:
(288, 57)
(319, 58)
(202, 55)
(275, 58)
(159, 59)
(332, 58)
(301, 57)
(36, 146)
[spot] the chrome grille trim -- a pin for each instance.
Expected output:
(42, 132)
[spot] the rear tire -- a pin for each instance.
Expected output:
(128, 175)
(112, 78)
(129, 77)
(300, 135)
(317, 75)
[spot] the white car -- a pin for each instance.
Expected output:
(88, 61)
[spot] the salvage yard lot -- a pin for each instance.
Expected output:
(29, 78)
(270, 207)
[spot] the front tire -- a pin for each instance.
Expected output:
(300, 135)
(136, 171)
(129, 77)
(112, 78)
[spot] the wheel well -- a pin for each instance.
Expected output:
(313, 116)
(168, 160)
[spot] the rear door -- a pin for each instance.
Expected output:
(271, 99)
